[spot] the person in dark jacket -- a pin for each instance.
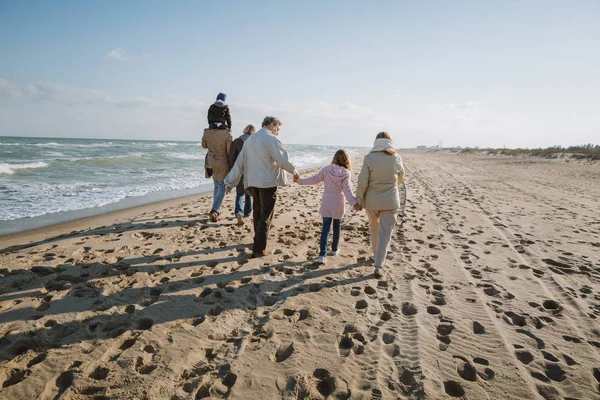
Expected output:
(219, 116)
(235, 150)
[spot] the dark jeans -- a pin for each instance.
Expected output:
(264, 203)
(337, 227)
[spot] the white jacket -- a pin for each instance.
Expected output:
(261, 162)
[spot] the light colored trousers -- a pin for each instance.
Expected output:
(382, 224)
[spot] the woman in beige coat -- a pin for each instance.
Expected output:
(377, 192)
(216, 164)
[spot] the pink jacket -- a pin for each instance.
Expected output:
(337, 185)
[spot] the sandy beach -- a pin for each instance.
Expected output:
(491, 291)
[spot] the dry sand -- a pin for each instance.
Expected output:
(491, 292)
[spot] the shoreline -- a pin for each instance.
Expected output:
(92, 222)
(112, 217)
(60, 217)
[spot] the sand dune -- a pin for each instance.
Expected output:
(491, 291)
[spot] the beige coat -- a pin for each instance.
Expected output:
(217, 141)
(378, 181)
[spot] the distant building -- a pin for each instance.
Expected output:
(421, 147)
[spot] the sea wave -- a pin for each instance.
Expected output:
(54, 154)
(12, 168)
(166, 144)
(185, 156)
(69, 145)
(114, 160)
(309, 160)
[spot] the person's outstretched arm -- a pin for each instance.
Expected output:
(278, 153)
(401, 171)
(313, 180)
(234, 176)
(347, 189)
(363, 183)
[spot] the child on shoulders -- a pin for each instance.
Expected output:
(337, 185)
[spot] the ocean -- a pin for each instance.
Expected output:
(44, 181)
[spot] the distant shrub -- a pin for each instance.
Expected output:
(581, 152)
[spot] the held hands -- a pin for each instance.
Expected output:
(227, 189)
(357, 207)
(296, 177)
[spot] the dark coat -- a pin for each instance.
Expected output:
(234, 152)
(217, 113)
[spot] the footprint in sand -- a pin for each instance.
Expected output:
(539, 342)
(514, 319)
(345, 345)
(15, 376)
(283, 352)
(99, 374)
(478, 329)
(444, 329)
(361, 304)
(524, 356)
(433, 310)
(142, 368)
(409, 309)
(453, 389)
(465, 369)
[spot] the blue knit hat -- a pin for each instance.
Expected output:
(221, 96)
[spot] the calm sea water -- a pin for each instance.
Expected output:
(42, 176)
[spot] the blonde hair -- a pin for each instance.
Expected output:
(250, 129)
(342, 158)
(386, 135)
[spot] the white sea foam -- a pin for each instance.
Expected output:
(185, 156)
(49, 144)
(307, 160)
(12, 168)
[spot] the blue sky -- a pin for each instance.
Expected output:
(468, 73)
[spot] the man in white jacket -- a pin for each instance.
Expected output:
(262, 162)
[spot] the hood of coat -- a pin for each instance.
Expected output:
(244, 136)
(220, 103)
(337, 173)
(382, 144)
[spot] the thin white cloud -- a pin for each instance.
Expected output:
(117, 54)
(471, 118)
(9, 89)
(132, 102)
(316, 109)
(469, 104)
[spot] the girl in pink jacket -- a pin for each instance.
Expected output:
(337, 185)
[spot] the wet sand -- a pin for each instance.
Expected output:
(491, 291)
